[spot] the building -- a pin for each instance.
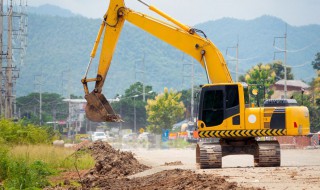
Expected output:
(76, 116)
(293, 86)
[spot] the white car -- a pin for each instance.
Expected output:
(99, 136)
(144, 137)
(129, 137)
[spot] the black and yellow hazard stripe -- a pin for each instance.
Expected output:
(243, 133)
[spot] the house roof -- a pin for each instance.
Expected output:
(294, 83)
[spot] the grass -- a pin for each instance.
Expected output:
(56, 157)
(30, 166)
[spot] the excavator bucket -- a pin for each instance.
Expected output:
(98, 109)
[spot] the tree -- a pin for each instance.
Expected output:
(278, 68)
(314, 104)
(52, 106)
(164, 111)
(316, 62)
(261, 77)
(133, 99)
(186, 99)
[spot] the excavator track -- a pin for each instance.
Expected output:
(268, 154)
(209, 155)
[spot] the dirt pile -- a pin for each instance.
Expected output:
(112, 163)
(169, 179)
(113, 166)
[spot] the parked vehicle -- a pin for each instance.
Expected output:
(129, 137)
(96, 136)
(145, 137)
(112, 138)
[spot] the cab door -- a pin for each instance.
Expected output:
(212, 105)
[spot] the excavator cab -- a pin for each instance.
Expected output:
(218, 103)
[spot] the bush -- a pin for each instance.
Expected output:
(20, 174)
(26, 159)
(23, 175)
(17, 133)
(4, 162)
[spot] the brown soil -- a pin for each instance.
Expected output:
(111, 163)
(175, 163)
(168, 179)
(113, 168)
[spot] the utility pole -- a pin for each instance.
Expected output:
(135, 113)
(285, 58)
(1, 56)
(16, 39)
(192, 86)
(143, 80)
(40, 105)
(192, 91)
(39, 82)
(9, 85)
(237, 57)
(143, 77)
(285, 63)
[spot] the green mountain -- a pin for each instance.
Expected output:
(51, 10)
(59, 47)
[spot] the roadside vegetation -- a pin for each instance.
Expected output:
(27, 157)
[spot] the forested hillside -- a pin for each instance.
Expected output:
(59, 47)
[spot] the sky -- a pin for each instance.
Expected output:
(191, 12)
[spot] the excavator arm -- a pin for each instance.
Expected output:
(172, 32)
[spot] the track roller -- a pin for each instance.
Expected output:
(268, 154)
(209, 155)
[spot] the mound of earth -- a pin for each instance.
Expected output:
(168, 179)
(112, 163)
(113, 167)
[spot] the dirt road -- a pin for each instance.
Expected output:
(300, 169)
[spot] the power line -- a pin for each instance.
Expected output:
(298, 50)
(302, 65)
(243, 59)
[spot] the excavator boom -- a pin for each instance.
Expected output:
(173, 32)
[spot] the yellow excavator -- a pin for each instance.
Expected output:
(224, 110)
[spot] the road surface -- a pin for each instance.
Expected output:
(300, 169)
